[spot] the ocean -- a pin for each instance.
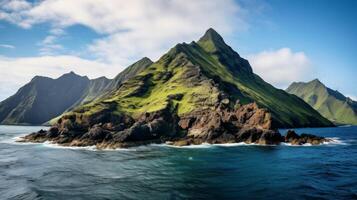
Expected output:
(236, 171)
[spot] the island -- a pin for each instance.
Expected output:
(202, 92)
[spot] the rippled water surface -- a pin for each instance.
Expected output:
(45, 171)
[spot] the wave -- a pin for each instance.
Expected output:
(345, 126)
(208, 145)
(89, 148)
(334, 141)
(57, 146)
(16, 141)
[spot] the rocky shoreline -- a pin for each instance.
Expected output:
(243, 123)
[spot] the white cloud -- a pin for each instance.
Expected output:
(282, 67)
(128, 31)
(135, 28)
(8, 46)
(15, 5)
(354, 98)
(49, 45)
(15, 72)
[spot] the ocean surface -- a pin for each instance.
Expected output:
(46, 171)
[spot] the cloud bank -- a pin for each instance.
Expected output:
(129, 30)
(282, 67)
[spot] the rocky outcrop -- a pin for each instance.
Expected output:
(110, 131)
(223, 124)
(295, 139)
(246, 123)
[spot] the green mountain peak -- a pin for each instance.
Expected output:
(195, 76)
(188, 78)
(329, 103)
(213, 42)
(213, 36)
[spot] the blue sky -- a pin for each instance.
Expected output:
(285, 41)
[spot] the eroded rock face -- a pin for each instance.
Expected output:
(247, 123)
(222, 124)
(295, 139)
(117, 131)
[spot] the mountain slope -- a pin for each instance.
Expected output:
(42, 99)
(331, 104)
(94, 89)
(200, 76)
(128, 72)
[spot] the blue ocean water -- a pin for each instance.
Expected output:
(44, 171)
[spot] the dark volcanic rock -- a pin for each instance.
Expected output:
(247, 123)
(242, 123)
(295, 139)
(291, 135)
(52, 132)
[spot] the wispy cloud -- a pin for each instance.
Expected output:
(131, 29)
(8, 46)
(49, 45)
(15, 5)
(282, 67)
(128, 31)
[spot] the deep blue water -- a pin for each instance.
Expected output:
(42, 171)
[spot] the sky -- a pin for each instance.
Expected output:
(284, 41)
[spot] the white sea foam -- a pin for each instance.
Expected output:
(336, 141)
(344, 126)
(198, 146)
(241, 144)
(57, 146)
(89, 148)
(294, 145)
(208, 145)
(333, 142)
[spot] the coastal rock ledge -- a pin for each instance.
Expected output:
(223, 124)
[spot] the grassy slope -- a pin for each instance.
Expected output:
(101, 87)
(149, 90)
(129, 72)
(329, 103)
(201, 72)
(286, 109)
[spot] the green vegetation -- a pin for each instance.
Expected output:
(331, 104)
(203, 74)
(192, 77)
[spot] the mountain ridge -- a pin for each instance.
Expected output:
(330, 103)
(195, 93)
(216, 68)
(18, 108)
(222, 69)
